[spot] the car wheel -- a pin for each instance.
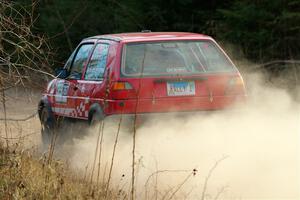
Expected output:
(96, 115)
(96, 119)
(47, 125)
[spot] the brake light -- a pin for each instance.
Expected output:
(122, 90)
(121, 86)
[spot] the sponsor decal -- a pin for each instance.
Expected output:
(80, 111)
(62, 88)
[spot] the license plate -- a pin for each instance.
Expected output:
(181, 88)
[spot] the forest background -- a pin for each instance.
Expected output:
(261, 30)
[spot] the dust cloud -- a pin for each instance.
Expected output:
(259, 143)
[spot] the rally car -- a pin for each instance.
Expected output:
(147, 72)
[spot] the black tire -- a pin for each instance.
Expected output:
(96, 115)
(47, 125)
(95, 119)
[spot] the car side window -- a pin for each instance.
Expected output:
(69, 62)
(96, 67)
(80, 61)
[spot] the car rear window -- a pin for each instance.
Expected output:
(173, 58)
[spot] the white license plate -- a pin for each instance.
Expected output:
(181, 88)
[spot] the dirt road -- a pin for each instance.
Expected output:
(261, 143)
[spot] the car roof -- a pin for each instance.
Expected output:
(150, 36)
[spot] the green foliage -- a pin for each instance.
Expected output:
(264, 29)
(67, 22)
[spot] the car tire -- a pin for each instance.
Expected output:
(96, 119)
(47, 125)
(96, 115)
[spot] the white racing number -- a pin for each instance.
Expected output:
(61, 92)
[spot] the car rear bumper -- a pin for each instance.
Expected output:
(174, 105)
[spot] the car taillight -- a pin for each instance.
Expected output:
(235, 85)
(121, 86)
(122, 90)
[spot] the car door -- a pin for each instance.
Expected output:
(71, 84)
(59, 91)
(92, 79)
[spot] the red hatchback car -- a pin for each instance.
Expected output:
(142, 73)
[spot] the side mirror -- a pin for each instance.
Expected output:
(61, 73)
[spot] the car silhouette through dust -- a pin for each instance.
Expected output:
(152, 72)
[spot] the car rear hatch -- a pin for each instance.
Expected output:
(177, 76)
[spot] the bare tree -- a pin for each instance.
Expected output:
(22, 51)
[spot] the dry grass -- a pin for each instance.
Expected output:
(24, 176)
(28, 174)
